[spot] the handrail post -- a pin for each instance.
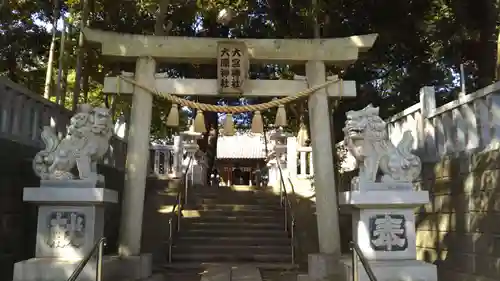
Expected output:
(99, 247)
(354, 265)
(99, 261)
(179, 206)
(186, 185)
(286, 217)
(170, 236)
(293, 241)
(185, 189)
(282, 197)
(179, 214)
(287, 211)
(357, 253)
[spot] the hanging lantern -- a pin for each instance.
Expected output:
(225, 16)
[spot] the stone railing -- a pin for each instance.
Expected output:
(165, 161)
(469, 123)
(305, 162)
(403, 121)
(24, 113)
(161, 160)
(297, 159)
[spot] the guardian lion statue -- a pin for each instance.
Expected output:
(86, 142)
(365, 136)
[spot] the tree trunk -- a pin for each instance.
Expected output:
(80, 53)
(50, 61)
(67, 57)
(161, 15)
(160, 30)
(60, 70)
(208, 144)
(12, 66)
(86, 76)
(210, 141)
(488, 36)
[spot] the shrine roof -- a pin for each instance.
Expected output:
(245, 146)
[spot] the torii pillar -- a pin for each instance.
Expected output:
(137, 160)
(322, 151)
(314, 53)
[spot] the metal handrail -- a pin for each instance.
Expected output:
(178, 207)
(356, 252)
(99, 247)
(287, 205)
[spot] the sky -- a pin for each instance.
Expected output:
(48, 26)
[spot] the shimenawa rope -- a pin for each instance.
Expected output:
(257, 125)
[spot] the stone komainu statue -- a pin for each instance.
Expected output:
(86, 142)
(365, 135)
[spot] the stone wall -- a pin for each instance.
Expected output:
(115, 180)
(18, 219)
(459, 230)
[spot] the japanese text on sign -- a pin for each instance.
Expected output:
(232, 67)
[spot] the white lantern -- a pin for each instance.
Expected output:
(225, 16)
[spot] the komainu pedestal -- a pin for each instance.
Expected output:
(70, 219)
(382, 200)
(71, 207)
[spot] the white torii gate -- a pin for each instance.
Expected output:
(147, 50)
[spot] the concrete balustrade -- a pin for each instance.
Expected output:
(23, 114)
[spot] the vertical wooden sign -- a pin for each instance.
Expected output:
(232, 67)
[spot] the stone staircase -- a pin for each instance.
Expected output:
(227, 226)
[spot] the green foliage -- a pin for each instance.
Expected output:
(420, 43)
(23, 44)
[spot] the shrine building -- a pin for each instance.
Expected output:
(238, 157)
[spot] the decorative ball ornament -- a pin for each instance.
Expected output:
(225, 16)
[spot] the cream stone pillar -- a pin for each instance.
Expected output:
(137, 160)
(322, 150)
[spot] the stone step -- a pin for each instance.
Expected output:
(217, 192)
(233, 232)
(240, 257)
(230, 249)
(238, 200)
(221, 212)
(235, 207)
(234, 240)
(187, 275)
(236, 218)
(244, 192)
(188, 225)
(234, 188)
(182, 266)
(194, 271)
(279, 275)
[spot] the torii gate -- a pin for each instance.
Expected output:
(146, 50)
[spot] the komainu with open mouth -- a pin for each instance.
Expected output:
(365, 135)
